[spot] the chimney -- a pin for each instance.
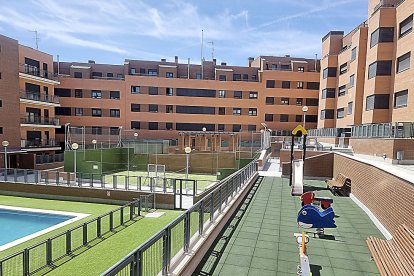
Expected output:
(214, 61)
(176, 59)
(287, 56)
(223, 63)
(250, 60)
(163, 60)
(91, 61)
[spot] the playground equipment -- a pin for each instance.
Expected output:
(310, 198)
(310, 217)
(304, 266)
(296, 166)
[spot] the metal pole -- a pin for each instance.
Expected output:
(128, 160)
(101, 161)
(186, 170)
(75, 167)
(5, 158)
(251, 147)
(304, 120)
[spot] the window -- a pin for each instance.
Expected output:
(406, 26)
(245, 76)
(61, 92)
(97, 130)
(114, 130)
(96, 112)
(299, 101)
(377, 101)
(342, 91)
(312, 101)
(340, 113)
(286, 84)
(284, 118)
(270, 84)
(96, 75)
(96, 94)
(185, 109)
(400, 99)
(222, 94)
(153, 90)
(77, 75)
(142, 71)
(191, 92)
(327, 114)
(274, 66)
(115, 113)
(220, 127)
(301, 69)
(120, 76)
(135, 107)
(78, 93)
(152, 72)
(135, 89)
(285, 67)
(169, 91)
(403, 62)
(1, 130)
(343, 68)
(284, 101)
(251, 128)
(153, 108)
(329, 72)
(1, 103)
(269, 117)
(114, 95)
(78, 111)
(153, 126)
(328, 93)
(221, 77)
(300, 85)
(109, 75)
(270, 100)
(169, 75)
(353, 54)
(382, 34)
(236, 77)
(133, 71)
(169, 126)
(34, 115)
(222, 111)
(135, 125)
(253, 95)
(313, 85)
(380, 68)
(252, 111)
(236, 128)
(198, 76)
(236, 111)
(298, 118)
(238, 94)
(352, 80)
(169, 109)
(350, 107)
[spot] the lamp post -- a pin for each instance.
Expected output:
(5, 144)
(135, 139)
(75, 147)
(94, 144)
(187, 151)
(304, 109)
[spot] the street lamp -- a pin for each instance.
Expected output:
(5, 145)
(94, 144)
(75, 147)
(304, 109)
(187, 150)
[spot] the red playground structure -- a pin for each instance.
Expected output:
(309, 198)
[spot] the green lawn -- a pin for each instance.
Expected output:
(101, 254)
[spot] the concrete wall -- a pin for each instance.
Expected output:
(319, 166)
(379, 147)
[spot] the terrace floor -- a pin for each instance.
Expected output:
(259, 239)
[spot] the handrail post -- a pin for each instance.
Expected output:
(187, 231)
(49, 252)
(201, 218)
(212, 207)
(68, 242)
(98, 227)
(26, 262)
(166, 240)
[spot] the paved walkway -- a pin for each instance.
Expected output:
(271, 168)
(259, 239)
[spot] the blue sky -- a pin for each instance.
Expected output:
(111, 31)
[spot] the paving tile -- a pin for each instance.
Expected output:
(267, 244)
(287, 266)
(241, 250)
(261, 272)
(239, 260)
(231, 270)
(264, 263)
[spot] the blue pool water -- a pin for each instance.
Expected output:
(18, 224)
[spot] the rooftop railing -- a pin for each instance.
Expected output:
(39, 97)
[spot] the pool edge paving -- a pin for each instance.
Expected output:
(259, 238)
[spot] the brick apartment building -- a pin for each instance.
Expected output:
(366, 77)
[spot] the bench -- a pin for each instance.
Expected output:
(340, 183)
(395, 256)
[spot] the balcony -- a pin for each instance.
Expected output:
(38, 143)
(34, 73)
(43, 121)
(42, 98)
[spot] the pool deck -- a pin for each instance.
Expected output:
(259, 239)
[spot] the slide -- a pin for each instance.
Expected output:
(297, 178)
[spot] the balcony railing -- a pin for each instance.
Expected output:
(38, 143)
(39, 97)
(37, 72)
(40, 121)
(49, 158)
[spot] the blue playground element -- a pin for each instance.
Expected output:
(310, 217)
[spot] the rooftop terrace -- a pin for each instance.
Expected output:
(259, 238)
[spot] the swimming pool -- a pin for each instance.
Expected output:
(18, 225)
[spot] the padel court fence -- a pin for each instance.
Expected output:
(102, 181)
(42, 257)
(155, 256)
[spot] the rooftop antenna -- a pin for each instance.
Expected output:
(212, 49)
(316, 61)
(202, 58)
(36, 38)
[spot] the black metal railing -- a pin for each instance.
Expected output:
(37, 72)
(42, 257)
(49, 158)
(40, 121)
(39, 97)
(156, 254)
(38, 143)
